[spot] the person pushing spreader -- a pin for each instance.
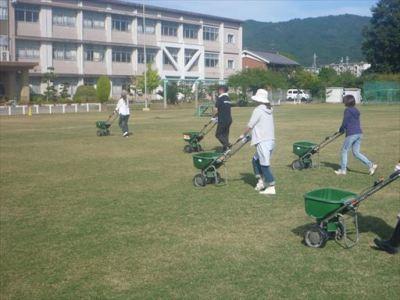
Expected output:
(334, 210)
(305, 150)
(193, 138)
(210, 162)
(103, 127)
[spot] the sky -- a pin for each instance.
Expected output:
(268, 10)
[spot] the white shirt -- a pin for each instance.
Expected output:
(262, 125)
(123, 107)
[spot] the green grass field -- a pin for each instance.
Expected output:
(111, 218)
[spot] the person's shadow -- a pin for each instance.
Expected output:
(248, 178)
(335, 166)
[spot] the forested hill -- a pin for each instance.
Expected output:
(330, 37)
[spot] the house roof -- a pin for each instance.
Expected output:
(170, 10)
(273, 58)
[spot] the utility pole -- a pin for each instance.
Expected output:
(146, 105)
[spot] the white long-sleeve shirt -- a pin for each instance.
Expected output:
(123, 107)
(262, 125)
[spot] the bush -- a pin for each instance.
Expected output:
(85, 93)
(103, 88)
(172, 93)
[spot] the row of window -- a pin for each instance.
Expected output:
(62, 17)
(123, 55)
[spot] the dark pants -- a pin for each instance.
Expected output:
(395, 239)
(222, 134)
(123, 123)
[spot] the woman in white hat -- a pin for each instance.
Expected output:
(261, 125)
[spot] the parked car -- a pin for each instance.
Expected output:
(292, 95)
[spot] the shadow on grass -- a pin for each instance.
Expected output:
(365, 224)
(333, 166)
(248, 178)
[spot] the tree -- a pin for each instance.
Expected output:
(172, 93)
(48, 78)
(103, 88)
(64, 94)
(328, 76)
(381, 45)
(153, 80)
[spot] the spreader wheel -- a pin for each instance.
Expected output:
(188, 149)
(315, 237)
(98, 133)
(199, 180)
(297, 165)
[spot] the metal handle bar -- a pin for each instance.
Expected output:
(328, 140)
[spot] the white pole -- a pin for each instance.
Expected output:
(50, 109)
(23, 109)
(87, 107)
(9, 110)
(37, 109)
(99, 107)
(76, 107)
(63, 108)
(146, 107)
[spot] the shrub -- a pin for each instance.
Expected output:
(172, 93)
(103, 88)
(85, 93)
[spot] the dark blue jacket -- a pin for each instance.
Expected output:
(223, 105)
(351, 121)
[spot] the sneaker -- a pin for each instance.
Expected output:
(386, 246)
(260, 185)
(126, 134)
(269, 191)
(373, 169)
(340, 172)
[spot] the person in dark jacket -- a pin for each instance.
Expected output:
(352, 127)
(223, 116)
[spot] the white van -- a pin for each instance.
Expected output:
(292, 95)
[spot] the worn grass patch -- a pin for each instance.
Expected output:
(113, 218)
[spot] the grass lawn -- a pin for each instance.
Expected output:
(111, 218)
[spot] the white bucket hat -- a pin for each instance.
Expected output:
(261, 96)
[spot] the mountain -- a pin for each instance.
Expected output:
(330, 37)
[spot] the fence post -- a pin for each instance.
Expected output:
(63, 108)
(37, 109)
(23, 109)
(99, 107)
(50, 109)
(9, 110)
(87, 107)
(76, 108)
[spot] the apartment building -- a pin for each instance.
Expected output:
(83, 39)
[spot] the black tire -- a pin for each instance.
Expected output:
(297, 165)
(199, 180)
(188, 149)
(98, 133)
(315, 237)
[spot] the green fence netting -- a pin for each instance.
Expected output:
(381, 92)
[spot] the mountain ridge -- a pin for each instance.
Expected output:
(330, 37)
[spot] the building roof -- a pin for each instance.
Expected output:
(170, 10)
(273, 58)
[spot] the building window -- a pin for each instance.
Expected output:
(27, 13)
(189, 53)
(122, 55)
(231, 64)
(190, 32)
(93, 20)
(121, 24)
(169, 29)
(210, 33)
(150, 56)
(211, 60)
(62, 17)
(174, 53)
(28, 49)
(150, 26)
(3, 9)
(94, 53)
(64, 51)
(231, 39)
